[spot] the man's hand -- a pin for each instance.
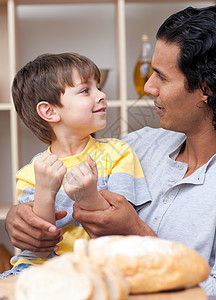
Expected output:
(120, 218)
(27, 231)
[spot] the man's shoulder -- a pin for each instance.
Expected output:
(148, 133)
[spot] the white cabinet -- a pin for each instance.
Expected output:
(19, 43)
(8, 118)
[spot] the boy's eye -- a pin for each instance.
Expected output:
(85, 91)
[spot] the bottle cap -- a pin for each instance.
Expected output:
(144, 37)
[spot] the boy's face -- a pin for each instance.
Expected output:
(84, 107)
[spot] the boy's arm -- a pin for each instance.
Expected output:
(80, 184)
(126, 186)
(49, 173)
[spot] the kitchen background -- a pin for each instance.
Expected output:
(89, 29)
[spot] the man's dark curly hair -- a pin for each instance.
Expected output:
(194, 31)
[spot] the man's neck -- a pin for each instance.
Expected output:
(197, 150)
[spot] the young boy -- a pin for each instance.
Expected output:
(57, 97)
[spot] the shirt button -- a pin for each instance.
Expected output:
(171, 180)
(165, 200)
(180, 166)
(154, 220)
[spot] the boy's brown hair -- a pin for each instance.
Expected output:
(45, 79)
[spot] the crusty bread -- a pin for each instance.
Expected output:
(115, 281)
(149, 264)
(111, 267)
(91, 271)
(69, 277)
(55, 280)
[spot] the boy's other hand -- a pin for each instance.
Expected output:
(81, 181)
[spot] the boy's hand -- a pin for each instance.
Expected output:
(49, 173)
(80, 184)
(81, 181)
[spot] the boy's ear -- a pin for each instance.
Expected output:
(47, 112)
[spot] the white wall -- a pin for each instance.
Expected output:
(147, 18)
(90, 30)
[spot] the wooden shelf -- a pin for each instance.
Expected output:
(45, 2)
(144, 102)
(4, 208)
(160, 1)
(5, 106)
(40, 2)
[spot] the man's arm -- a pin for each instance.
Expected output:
(121, 218)
(28, 231)
(210, 283)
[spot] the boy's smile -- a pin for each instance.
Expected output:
(101, 110)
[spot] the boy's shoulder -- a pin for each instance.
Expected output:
(27, 171)
(115, 147)
(111, 141)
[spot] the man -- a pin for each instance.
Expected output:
(178, 160)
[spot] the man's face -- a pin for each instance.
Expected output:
(178, 109)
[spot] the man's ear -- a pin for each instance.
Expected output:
(206, 92)
(47, 112)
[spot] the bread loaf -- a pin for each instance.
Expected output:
(67, 277)
(149, 264)
(111, 267)
(55, 279)
(115, 281)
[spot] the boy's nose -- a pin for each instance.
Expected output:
(101, 97)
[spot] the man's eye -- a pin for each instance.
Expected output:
(161, 77)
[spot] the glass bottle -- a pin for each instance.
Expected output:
(143, 68)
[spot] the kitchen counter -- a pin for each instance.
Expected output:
(195, 293)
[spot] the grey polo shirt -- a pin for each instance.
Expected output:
(181, 209)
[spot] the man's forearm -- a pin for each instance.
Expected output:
(28, 231)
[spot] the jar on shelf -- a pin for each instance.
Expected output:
(143, 68)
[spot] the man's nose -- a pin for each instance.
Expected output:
(150, 87)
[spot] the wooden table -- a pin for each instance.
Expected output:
(195, 293)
